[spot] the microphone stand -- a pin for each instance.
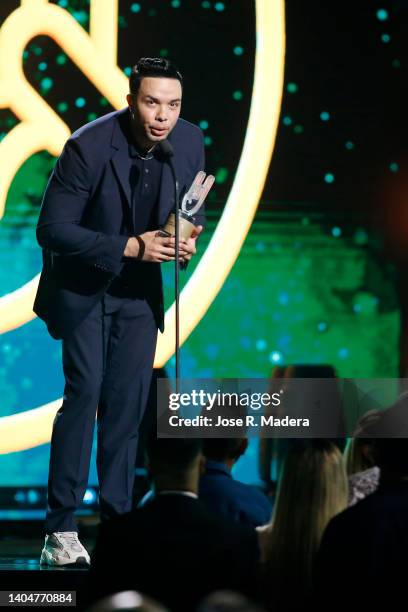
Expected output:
(203, 187)
(176, 271)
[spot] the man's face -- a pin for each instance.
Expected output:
(156, 108)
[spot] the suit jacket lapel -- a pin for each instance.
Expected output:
(166, 196)
(121, 161)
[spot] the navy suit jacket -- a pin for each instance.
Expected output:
(363, 557)
(176, 551)
(86, 201)
(232, 499)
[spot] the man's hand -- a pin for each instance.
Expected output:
(190, 244)
(158, 249)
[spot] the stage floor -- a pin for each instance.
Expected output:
(20, 570)
(24, 555)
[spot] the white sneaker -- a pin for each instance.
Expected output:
(63, 548)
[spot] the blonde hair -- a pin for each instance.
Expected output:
(312, 490)
(359, 450)
(358, 455)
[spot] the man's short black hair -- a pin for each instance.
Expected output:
(152, 67)
(222, 449)
(392, 454)
(390, 434)
(174, 454)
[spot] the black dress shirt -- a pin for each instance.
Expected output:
(145, 178)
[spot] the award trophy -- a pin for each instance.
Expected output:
(191, 204)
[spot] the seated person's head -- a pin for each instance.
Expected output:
(392, 457)
(313, 481)
(127, 601)
(390, 433)
(312, 490)
(227, 601)
(359, 453)
(174, 463)
(224, 450)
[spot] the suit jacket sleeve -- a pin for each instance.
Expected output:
(65, 200)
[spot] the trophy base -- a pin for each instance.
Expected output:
(186, 227)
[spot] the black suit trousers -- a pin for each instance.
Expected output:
(107, 362)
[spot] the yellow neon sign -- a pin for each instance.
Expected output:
(42, 129)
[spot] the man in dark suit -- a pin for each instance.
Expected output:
(173, 548)
(363, 556)
(100, 289)
(221, 493)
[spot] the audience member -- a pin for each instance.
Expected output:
(227, 601)
(172, 548)
(363, 474)
(367, 544)
(127, 601)
(221, 493)
(312, 489)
